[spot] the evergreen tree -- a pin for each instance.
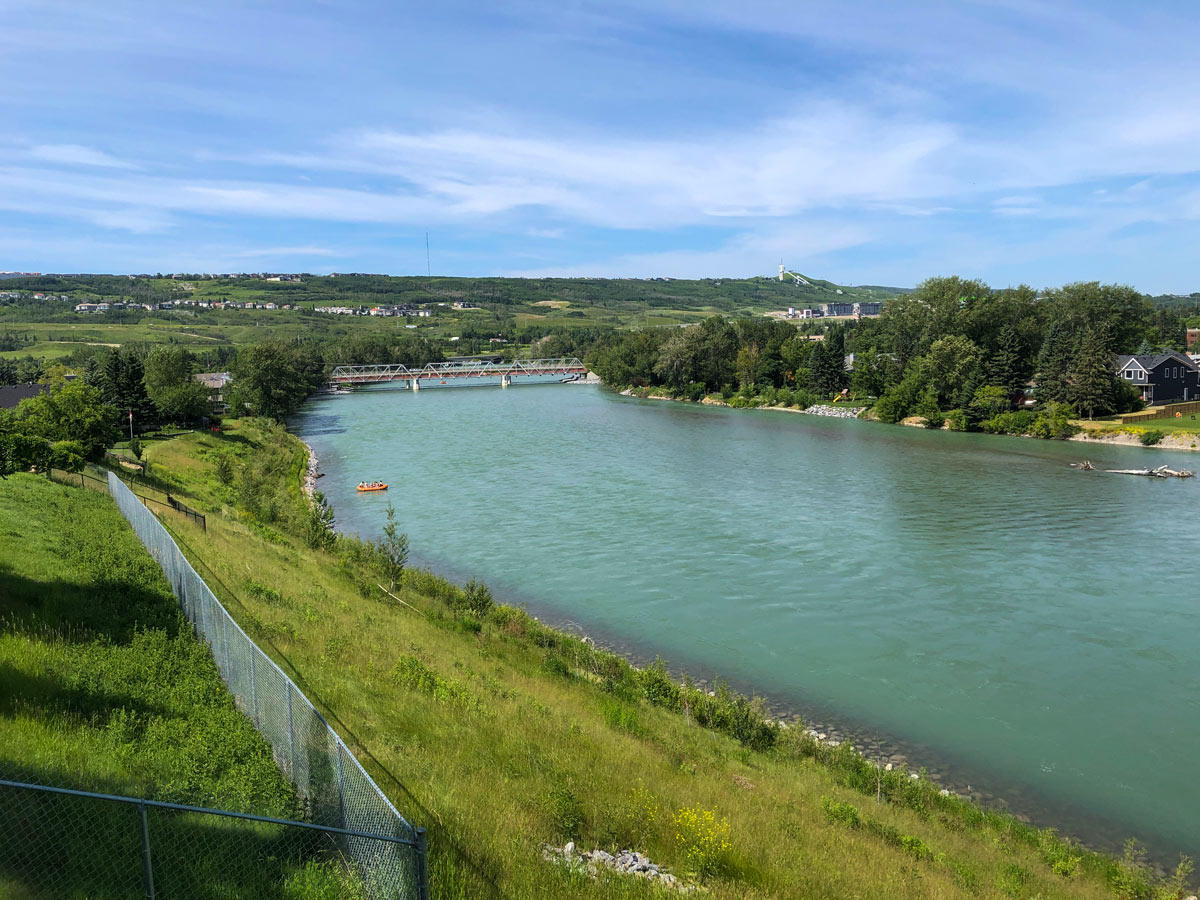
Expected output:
(120, 381)
(828, 363)
(1006, 367)
(1054, 366)
(1094, 387)
(973, 382)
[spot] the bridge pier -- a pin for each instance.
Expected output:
(505, 380)
(416, 383)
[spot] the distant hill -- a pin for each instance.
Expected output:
(735, 295)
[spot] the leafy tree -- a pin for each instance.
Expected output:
(272, 379)
(949, 361)
(627, 357)
(991, 400)
(927, 408)
(173, 390)
(899, 400)
(796, 356)
(747, 365)
(72, 412)
(67, 455)
(873, 373)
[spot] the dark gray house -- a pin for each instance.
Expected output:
(12, 394)
(1167, 377)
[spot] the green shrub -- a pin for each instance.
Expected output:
(1012, 880)
(553, 664)
(1018, 422)
(658, 686)
(1060, 855)
(957, 420)
(564, 811)
(1152, 437)
(477, 598)
(622, 717)
(842, 813)
(915, 847)
(1053, 422)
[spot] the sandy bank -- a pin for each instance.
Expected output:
(1169, 442)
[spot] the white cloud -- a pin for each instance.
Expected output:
(283, 251)
(743, 255)
(77, 155)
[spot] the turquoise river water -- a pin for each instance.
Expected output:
(1015, 624)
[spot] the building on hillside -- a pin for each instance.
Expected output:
(1166, 377)
(839, 309)
(810, 314)
(215, 382)
(12, 394)
(868, 308)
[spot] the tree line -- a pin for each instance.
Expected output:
(953, 350)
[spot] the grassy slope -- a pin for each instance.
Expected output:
(103, 687)
(495, 752)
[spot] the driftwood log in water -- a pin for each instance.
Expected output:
(1160, 472)
(1086, 465)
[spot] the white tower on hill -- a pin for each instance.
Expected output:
(781, 271)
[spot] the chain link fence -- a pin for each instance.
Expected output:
(57, 843)
(334, 787)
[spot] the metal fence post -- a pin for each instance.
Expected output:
(291, 733)
(147, 868)
(253, 690)
(341, 786)
(422, 865)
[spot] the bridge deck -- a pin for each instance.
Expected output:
(379, 374)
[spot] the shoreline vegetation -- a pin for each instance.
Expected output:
(1096, 432)
(873, 765)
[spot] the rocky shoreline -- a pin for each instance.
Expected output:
(309, 482)
(835, 412)
(820, 409)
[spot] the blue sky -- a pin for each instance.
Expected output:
(866, 141)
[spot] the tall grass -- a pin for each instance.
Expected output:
(104, 688)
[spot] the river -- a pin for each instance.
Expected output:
(1020, 626)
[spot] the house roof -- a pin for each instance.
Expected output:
(12, 394)
(1150, 361)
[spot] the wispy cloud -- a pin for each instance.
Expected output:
(257, 252)
(77, 155)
